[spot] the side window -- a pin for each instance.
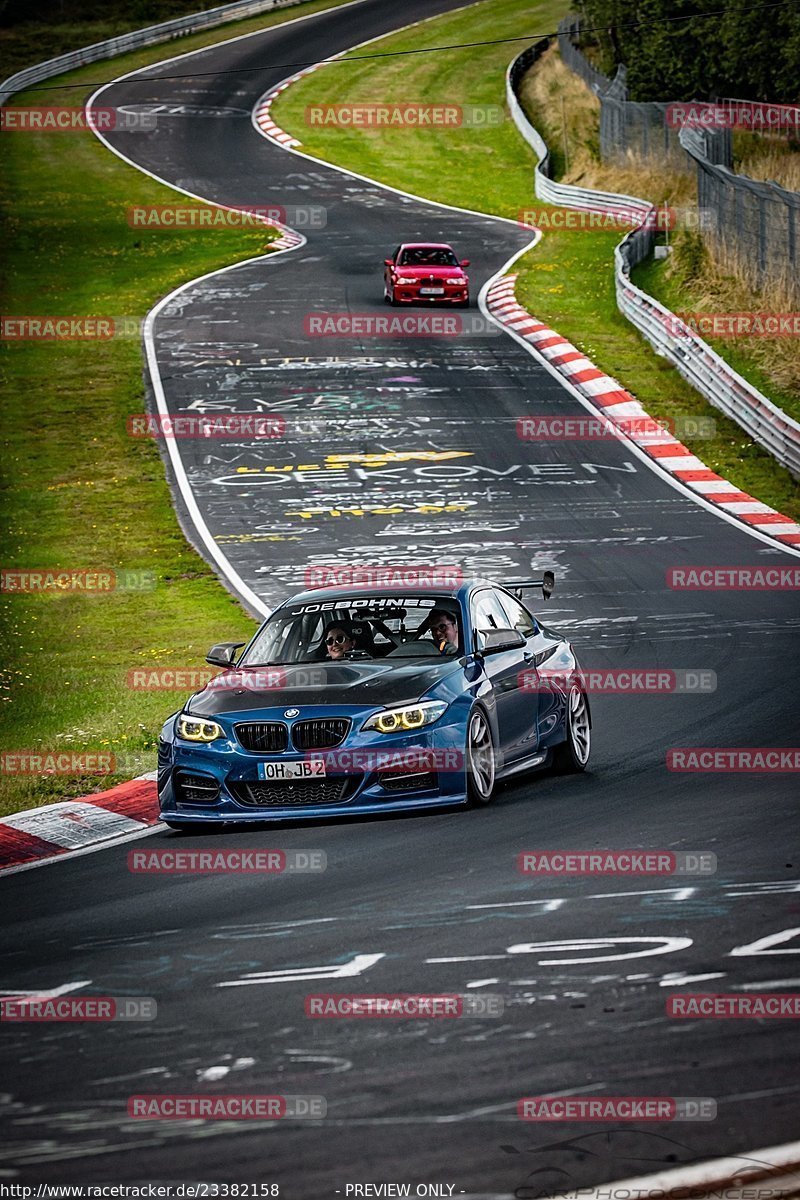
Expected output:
(518, 617)
(487, 612)
(395, 253)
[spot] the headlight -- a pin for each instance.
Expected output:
(461, 279)
(196, 729)
(401, 279)
(410, 716)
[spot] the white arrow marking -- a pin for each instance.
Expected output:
(46, 995)
(771, 887)
(677, 978)
(548, 905)
(356, 966)
(768, 985)
(677, 893)
(656, 945)
(468, 958)
(760, 946)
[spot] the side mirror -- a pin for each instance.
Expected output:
(223, 654)
(548, 583)
(465, 262)
(388, 262)
(492, 641)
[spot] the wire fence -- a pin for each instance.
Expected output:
(644, 130)
(682, 347)
(754, 225)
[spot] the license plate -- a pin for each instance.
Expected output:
(431, 291)
(310, 768)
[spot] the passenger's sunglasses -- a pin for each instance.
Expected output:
(339, 640)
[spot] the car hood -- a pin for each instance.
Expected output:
(373, 684)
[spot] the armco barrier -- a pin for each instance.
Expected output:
(134, 40)
(695, 360)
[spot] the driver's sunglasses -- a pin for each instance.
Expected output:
(339, 640)
(445, 625)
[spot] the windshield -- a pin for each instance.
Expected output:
(358, 627)
(428, 256)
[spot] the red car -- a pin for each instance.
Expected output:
(425, 272)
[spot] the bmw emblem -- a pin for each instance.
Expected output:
(292, 712)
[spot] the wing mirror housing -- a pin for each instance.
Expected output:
(388, 262)
(492, 641)
(465, 262)
(224, 653)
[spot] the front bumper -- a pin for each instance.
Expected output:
(372, 769)
(411, 294)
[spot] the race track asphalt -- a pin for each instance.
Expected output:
(437, 897)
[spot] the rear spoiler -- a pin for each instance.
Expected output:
(546, 583)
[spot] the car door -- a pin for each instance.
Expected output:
(516, 708)
(547, 693)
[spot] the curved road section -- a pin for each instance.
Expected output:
(405, 450)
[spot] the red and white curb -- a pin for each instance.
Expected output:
(72, 826)
(620, 407)
(261, 114)
(289, 238)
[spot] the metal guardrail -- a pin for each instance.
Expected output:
(150, 36)
(689, 354)
(756, 222)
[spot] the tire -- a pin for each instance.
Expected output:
(480, 760)
(394, 303)
(573, 754)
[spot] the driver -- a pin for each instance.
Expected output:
(442, 625)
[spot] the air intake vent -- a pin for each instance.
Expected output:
(320, 734)
(263, 737)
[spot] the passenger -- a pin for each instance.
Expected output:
(338, 640)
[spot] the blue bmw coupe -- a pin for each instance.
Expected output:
(364, 700)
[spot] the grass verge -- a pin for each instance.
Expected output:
(45, 32)
(567, 280)
(78, 492)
